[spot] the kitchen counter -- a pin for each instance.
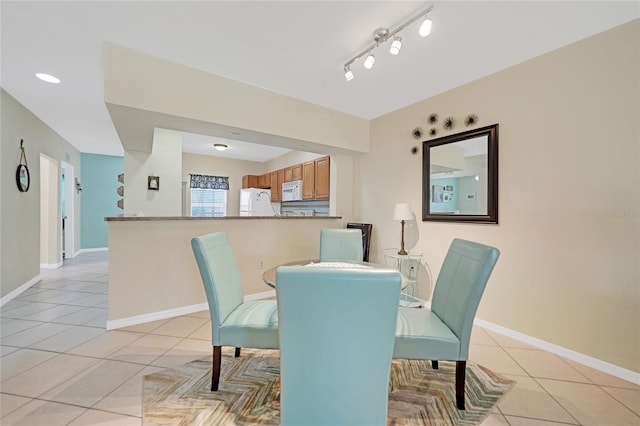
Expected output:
(153, 274)
(157, 218)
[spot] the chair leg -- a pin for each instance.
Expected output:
(237, 352)
(461, 368)
(217, 360)
(434, 365)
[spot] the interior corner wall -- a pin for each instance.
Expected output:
(569, 193)
(99, 197)
(20, 221)
(164, 161)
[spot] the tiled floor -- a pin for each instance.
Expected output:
(60, 367)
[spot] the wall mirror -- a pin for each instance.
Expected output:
(460, 177)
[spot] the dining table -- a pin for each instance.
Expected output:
(269, 276)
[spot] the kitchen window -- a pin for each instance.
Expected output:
(209, 195)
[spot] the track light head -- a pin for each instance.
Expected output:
(396, 45)
(425, 28)
(369, 61)
(348, 74)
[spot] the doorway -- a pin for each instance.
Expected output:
(67, 203)
(50, 241)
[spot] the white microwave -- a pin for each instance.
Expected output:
(292, 191)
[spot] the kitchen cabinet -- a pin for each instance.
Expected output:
(264, 181)
(293, 173)
(322, 174)
(296, 172)
(249, 181)
(308, 180)
(277, 178)
(315, 179)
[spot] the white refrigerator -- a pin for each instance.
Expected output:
(256, 202)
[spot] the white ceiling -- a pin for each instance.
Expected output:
(296, 48)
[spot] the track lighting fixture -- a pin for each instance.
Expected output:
(348, 74)
(369, 61)
(396, 45)
(381, 35)
(425, 28)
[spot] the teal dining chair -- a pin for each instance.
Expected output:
(443, 331)
(341, 245)
(236, 323)
(335, 357)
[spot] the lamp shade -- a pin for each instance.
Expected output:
(402, 212)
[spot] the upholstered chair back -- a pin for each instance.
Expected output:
(341, 245)
(461, 282)
(220, 276)
(335, 355)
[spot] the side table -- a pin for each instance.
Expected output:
(408, 265)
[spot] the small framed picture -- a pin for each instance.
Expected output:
(23, 178)
(470, 195)
(449, 188)
(153, 183)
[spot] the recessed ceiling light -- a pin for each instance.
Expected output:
(48, 78)
(220, 146)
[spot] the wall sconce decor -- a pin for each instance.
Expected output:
(78, 186)
(23, 178)
(153, 183)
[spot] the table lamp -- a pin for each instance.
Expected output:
(402, 213)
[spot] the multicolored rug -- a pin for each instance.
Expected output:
(250, 390)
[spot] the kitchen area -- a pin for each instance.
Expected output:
(300, 189)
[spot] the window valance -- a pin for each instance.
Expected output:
(209, 182)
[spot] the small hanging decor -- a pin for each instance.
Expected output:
(417, 133)
(415, 150)
(470, 120)
(23, 179)
(449, 123)
(433, 118)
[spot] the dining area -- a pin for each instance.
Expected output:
(338, 336)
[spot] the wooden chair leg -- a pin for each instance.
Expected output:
(217, 360)
(434, 364)
(237, 352)
(461, 368)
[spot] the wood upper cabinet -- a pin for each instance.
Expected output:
(276, 187)
(264, 181)
(308, 180)
(296, 172)
(249, 181)
(288, 174)
(322, 174)
(315, 179)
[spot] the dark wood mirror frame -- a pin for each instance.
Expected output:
(491, 216)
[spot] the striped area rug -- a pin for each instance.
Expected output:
(250, 389)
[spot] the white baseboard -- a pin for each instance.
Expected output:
(50, 265)
(605, 367)
(258, 296)
(172, 313)
(18, 291)
(90, 250)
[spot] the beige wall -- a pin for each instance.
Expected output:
(20, 220)
(569, 227)
(176, 90)
(152, 268)
(164, 162)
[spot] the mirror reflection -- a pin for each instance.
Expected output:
(460, 177)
